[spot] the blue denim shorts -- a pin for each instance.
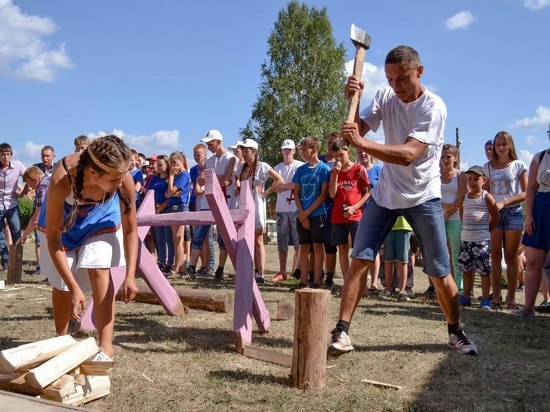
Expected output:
(428, 225)
(397, 246)
(511, 218)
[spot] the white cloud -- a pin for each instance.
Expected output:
(460, 20)
(162, 141)
(525, 156)
(542, 118)
(373, 77)
(30, 154)
(24, 54)
(531, 140)
(536, 4)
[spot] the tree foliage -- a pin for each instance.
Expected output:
(301, 92)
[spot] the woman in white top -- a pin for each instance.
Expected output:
(453, 189)
(257, 173)
(507, 183)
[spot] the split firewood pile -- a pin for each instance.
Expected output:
(59, 369)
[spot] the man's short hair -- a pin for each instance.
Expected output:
(33, 172)
(311, 142)
(404, 54)
(47, 148)
(5, 147)
(80, 140)
(200, 146)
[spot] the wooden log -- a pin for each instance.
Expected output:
(94, 387)
(214, 301)
(101, 368)
(309, 358)
(34, 353)
(268, 355)
(59, 389)
(49, 371)
(15, 264)
(16, 382)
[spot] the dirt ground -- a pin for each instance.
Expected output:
(166, 363)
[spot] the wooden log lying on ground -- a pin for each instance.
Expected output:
(15, 264)
(49, 371)
(16, 382)
(33, 353)
(268, 355)
(193, 298)
(309, 358)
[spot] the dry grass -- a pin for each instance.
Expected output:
(166, 363)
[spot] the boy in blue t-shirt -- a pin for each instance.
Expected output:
(311, 180)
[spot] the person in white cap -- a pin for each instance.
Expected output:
(256, 173)
(223, 163)
(286, 211)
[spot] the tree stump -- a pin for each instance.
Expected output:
(309, 359)
(15, 264)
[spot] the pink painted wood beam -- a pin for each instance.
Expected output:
(218, 205)
(204, 217)
(152, 275)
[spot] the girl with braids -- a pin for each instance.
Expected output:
(178, 193)
(257, 173)
(89, 200)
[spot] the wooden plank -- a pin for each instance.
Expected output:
(268, 355)
(15, 402)
(203, 217)
(15, 264)
(217, 203)
(51, 370)
(96, 368)
(34, 353)
(244, 278)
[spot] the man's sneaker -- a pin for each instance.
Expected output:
(543, 307)
(464, 301)
(340, 343)
(403, 297)
(37, 272)
(462, 344)
(430, 291)
(485, 304)
(260, 280)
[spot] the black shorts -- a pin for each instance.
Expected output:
(316, 231)
(330, 247)
(340, 233)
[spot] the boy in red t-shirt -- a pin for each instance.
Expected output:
(349, 187)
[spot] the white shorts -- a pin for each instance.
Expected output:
(98, 252)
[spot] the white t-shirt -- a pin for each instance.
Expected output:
(262, 173)
(219, 164)
(505, 182)
(285, 200)
(424, 120)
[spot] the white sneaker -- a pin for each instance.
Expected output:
(102, 357)
(340, 343)
(462, 344)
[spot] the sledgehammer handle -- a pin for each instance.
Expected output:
(360, 52)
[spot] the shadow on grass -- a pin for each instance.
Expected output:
(198, 339)
(511, 372)
(248, 377)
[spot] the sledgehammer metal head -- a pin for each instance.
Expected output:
(359, 37)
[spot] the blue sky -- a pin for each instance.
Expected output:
(162, 73)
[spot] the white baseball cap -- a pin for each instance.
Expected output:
(234, 146)
(250, 143)
(212, 135)
(288, 144)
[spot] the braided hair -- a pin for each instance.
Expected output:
(112, 152)
(248, 172)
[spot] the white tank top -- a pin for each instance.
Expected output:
(475, 219)
(448, 194)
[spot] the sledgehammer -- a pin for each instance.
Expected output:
(361, 40)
